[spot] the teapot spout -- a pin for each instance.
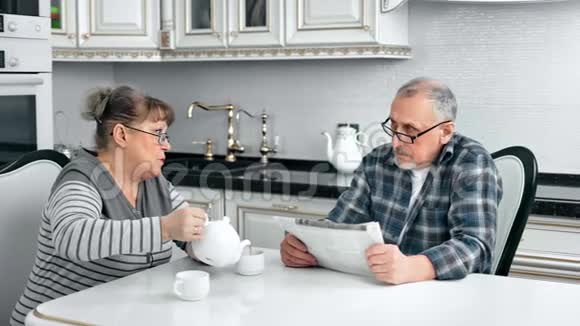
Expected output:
(329, 147)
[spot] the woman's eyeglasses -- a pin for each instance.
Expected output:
(162, 137)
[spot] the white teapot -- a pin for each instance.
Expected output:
(221, 245)
(347, 152)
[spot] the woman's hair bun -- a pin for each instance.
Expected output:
(97, 103)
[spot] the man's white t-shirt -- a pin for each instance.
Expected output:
(418, 179)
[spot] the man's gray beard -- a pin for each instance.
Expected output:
(405, 166)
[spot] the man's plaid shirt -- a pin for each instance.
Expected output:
(453, 219)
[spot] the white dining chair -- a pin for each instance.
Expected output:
(24, 189)
(518, 169)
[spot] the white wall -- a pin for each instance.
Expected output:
(513, 69)
(71, 84)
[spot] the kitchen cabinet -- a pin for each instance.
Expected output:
(255, 23)
(549, 250)
(211, 30)
(106, 24)
(63, 20)
(344, 22)
(200, 24)
(233, 23)
(252, 214)
(261, 23)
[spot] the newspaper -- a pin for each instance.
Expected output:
(336, 246)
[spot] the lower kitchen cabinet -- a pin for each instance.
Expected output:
(549, 250)
(251, 214)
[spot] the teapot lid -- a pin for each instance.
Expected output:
(355, 126)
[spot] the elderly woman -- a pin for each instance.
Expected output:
(111, 214)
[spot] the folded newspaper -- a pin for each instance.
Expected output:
(336, 246)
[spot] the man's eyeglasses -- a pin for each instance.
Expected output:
(409, 139)
(162, 137)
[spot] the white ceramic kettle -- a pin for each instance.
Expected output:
(221, 245)
(347, 152)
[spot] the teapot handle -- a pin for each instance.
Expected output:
(244, 244)
(364, 142)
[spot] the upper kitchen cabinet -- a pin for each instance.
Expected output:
(210, 30)
(345, 22)
(200, 23)
(107, 24)
(233, 23)
(63, 20)
(118, 24)
(255, 23)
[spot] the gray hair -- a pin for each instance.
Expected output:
(444, 103)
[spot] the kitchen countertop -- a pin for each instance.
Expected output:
(557, 195)
(319, 179)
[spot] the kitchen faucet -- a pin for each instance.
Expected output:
(265, 148)
(233, 144)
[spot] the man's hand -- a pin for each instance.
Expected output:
(390, 265)
(184, 224)
(295, 254)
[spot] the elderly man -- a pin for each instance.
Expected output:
(434, 192)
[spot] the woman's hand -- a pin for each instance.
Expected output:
(185, 224)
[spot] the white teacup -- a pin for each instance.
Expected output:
(251, 263)
(191, 285)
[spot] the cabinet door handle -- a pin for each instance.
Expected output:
(366, 28)
(86, 36)
(285, 207)
(70, 36)
(217, 35)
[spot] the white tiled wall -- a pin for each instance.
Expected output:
(514, 69)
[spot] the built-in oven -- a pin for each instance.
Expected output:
(21, 21)
(24, 40)
(25, 7)
(25, 78)
(25, 114)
